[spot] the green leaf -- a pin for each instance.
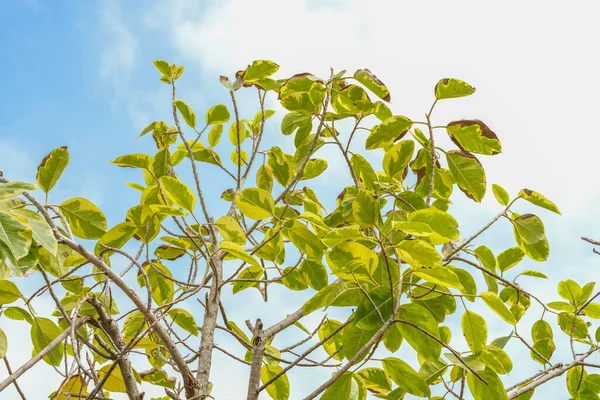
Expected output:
(306, 241)
(371, 82)
(344, 388)
(264, 178)
(541, 330)
(162, 163)
(184, 320)
(255, 203)
(396, 159)
(333, 346)
(236, 251)
(575, 378)
(186, 112)
(444, 225)
(492, 389)
(16, 313)
(280, 166)
(496, 305)
(42, 233)
(365, 209)
(314, 274)
(218, 114)
(538, 199)
(133, 161)
(163, 67)
(529, 228)
(114, 382)
(342, 234)
(354, 339)
(375, 380)
(178, 192)
(439, 276)
(475, 331)
(473, 136)
(545, 347)
(569, 290)
(390, 130)
(350, 260)
(293, 279)
(314, 168)
(419, 253)
(509, 258)
(214, 135)
(413, 228)
(425, 346)
(486, 257)
(43, 332)
(260, 69)
(535, 274)
(405, 377)
(162, 287)
(86, 220)
(231, 230)
(538, 251)
(9, 292)
(51, 168)
(280, 388)
(15, 188)
(3, 344)
(116, 237)
(468, 173)
(15, 233)
(496, 359)
(500, 194)
(449, 88)
(367, 316)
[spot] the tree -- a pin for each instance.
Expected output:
(388, 254)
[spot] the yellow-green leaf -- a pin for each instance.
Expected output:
(43, 332)
(419, 253)
(449, 88)
(178, 192)
(255, 203)
(51, 168)
(390, 130)
(86, 220)
(15, 188)
(186, 112)
(236, 251)
(468, 173)
(539, 200)
(133, 161)
(231, 230)
(496, 305)
(475, 331)
(406, 377)
(218, 114)
(474, 136)
(500, 194)
(373, 83)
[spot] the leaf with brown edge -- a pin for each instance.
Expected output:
(472, 135)
(468, 172)
(52, 167)
(538, 199)
(449, 88)
(373, 83)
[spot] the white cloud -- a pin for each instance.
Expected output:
(121, 47)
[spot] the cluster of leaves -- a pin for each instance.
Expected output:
(389, 252)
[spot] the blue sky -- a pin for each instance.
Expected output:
(80, 74)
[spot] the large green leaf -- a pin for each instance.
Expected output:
(530, 228)
(314, 274)
(15, 233)
(375, 380)
(15, 188)
(42, 233)
(443, 225)
(468, 173)
(509, 258)
(492, 388)
(9, 292)
(367, 316)
(44, 331)
(424, 345)
(133, 161)
(345, 388)
(438, 275)
(350, 259)
(305, 241)
(259, 69)
(475, 331)
(500, 194)
(218, 114)
(333, 346)
(51, 168)
(396, 159)
(162, 287)
(354, 339)
(231, 230)
(186, 112)
(236, 251)
(474, 136)
(365, 209)
(390, 130)
(86, 220)
(184, 320)
(496, 305)
(419, 253)
(255, 203)
(407, 378)
(114, 382)
(116, 237)
(280, 388)
(178, 192)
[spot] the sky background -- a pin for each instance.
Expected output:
(80, 73)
